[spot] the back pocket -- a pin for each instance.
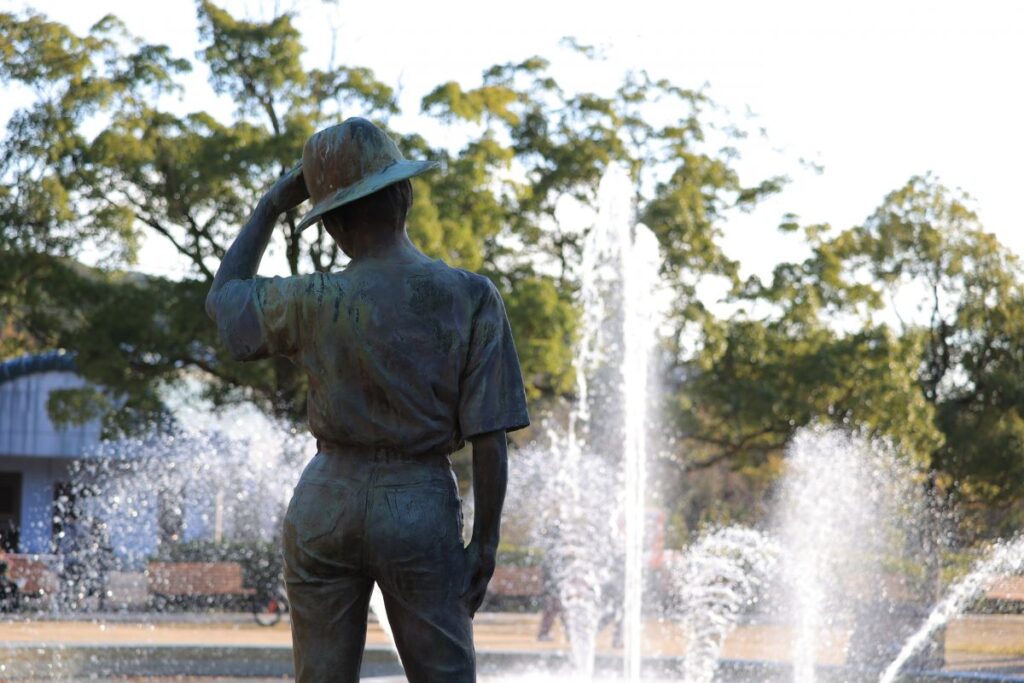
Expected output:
(421, 515)
(316, 509)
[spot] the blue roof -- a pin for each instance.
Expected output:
(50, 361)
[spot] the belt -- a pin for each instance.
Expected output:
(381, 453)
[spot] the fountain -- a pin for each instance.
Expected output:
(846, 503)
(187, 480)
(846, 506)
(606, 431)
(588, 474)
(618, 278)
(721, 576)
(1005, 558)
(849, 507)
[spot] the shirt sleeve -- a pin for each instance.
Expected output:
(491, 392)
(261, 317)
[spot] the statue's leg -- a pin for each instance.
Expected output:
(328, 589)
(329, 629)
(415, 554)
(434, 638)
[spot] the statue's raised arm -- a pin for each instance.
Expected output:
(408, 359)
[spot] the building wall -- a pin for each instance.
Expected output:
(38, 478)
(31, 444)
(25, 425)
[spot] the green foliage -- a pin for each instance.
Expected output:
(77, 406)
(761, 382)
(927, 236)
(96, 162)
(944, 384)
(50, 200)
(519, 556)
(189, 179)
(543, 323)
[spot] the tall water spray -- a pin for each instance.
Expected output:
(201, 477)
(596, 484)
(845, 500)
(640, 263)
(206, 476)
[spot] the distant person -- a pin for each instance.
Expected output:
(8, 590)
(551, 604)
(613, 594)
(71, 549)
(86, 558)
(407, 358)
(103, 561)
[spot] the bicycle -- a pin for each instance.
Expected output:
(269, 605)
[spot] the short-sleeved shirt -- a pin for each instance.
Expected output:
(415, 357)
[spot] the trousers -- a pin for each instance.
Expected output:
(354, 521)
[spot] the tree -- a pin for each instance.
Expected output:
(942, 382)
(189, 179)
(927, 239)
(563, 141)
(52, 203)
(99, 159)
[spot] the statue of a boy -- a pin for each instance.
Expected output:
(407, 358)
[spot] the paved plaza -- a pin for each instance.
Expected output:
(989, 642)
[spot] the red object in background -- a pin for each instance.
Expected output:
(35, 575)
(654, 537)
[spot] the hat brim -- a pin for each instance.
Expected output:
(398, 171)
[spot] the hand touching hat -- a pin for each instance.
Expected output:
(348, 161)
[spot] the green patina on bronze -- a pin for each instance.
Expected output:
(407, 358)
(414, 333)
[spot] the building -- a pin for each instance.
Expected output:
(35, 455)
(195, 484)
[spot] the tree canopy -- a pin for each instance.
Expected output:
(190, 179)
(99, 159)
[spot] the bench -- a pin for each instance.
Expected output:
(1007, 589)
(34, 575)
(196, 579)
(517, 582)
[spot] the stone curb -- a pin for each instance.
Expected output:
(86, 661)
(78, 661)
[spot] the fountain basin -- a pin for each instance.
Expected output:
(85, 661)
(30, 661)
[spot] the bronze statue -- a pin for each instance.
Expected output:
(407, 359)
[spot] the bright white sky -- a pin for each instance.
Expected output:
(874, 91)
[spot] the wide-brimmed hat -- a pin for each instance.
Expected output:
(348, 161)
